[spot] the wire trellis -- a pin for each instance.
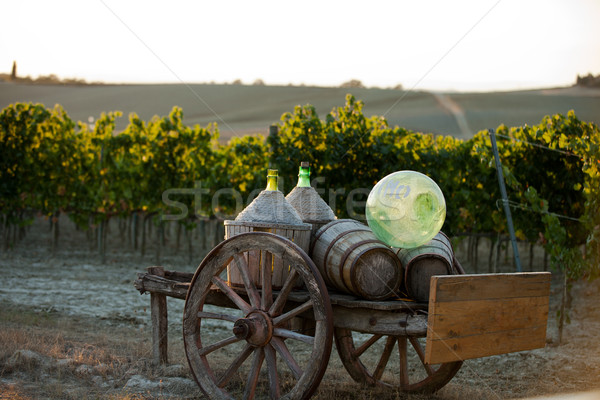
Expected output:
(537, 145)
(521, 206)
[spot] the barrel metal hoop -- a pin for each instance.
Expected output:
(348, 251)
(359, 255)
(332, 243)
(447, 262)
(352, 247)
(446, 244)
(449, 267)
(448, 239)
(321, 231)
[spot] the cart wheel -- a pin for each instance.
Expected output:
(366, 357)
(406, 371)
(249, 349)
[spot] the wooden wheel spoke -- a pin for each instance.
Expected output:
(277, 306)
(288, 358)
(292, 313)
(363, 347)
(216, 346)
(233, 296)
(239, 360)
(270, 356)
(286, 333)
(267, 287)
(385, 356)
(223, 317)
(402, 378)
(242, 267)
(419, 349)
(403, 362)
(252, 381)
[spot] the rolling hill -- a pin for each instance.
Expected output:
(240, 110)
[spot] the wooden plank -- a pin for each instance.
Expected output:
(380, 322)
(266, 270)
(350, 301)
(183, 277)
(178, 288)
(175, 288)
(277, 276)
(233, 273)
(156, 284)
(253, 260)
(489, 344)
(160, 327)
(491, 286)
(473, 316)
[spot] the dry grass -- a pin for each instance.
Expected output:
(118, 352)
(68, 353)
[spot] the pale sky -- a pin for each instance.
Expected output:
(435, 45)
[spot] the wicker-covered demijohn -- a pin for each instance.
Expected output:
(268, 212)
(311, 208)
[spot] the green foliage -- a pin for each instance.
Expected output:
(163, 168)
(240, 174)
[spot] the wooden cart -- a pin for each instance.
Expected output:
(257, 341)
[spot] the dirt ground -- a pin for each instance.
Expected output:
(72, 327)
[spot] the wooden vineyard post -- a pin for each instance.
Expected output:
(158, 312)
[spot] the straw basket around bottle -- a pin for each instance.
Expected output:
(311, 208)
(421, 263)
(269, 212)
(353, 260)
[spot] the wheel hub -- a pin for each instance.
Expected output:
(256, 328)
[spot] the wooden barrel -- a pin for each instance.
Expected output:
(299, 234)
(316, 225)
(423, 262)
(353, 260)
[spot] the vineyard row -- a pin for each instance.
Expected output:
(162, 169)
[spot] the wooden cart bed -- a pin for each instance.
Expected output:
(468, 316)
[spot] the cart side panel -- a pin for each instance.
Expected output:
(473, 316)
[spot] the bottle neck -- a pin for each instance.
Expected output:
(304, 177)
(272, 180)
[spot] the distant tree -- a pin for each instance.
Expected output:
(237, 82)
(588, 81)
(353, 83)
(398, 87)
(74, 81)
(13, 74)
(259, 82)
(52, 78)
